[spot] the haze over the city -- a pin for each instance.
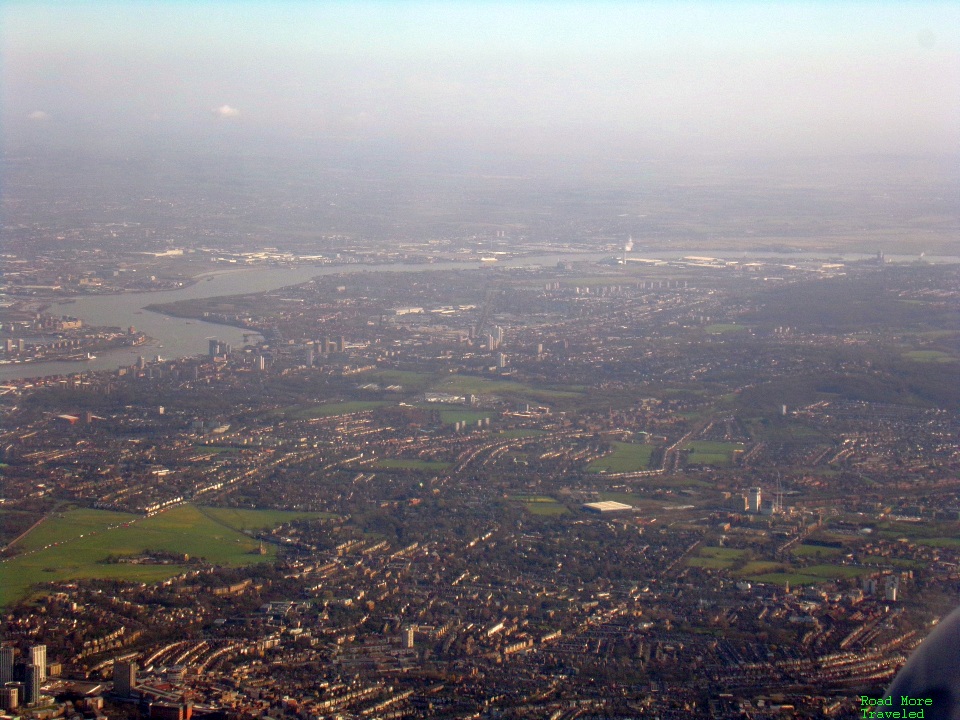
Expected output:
(607, 80)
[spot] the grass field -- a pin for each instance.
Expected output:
(893, 562)
(411, 381)
(709, 563)
(244, 519)
(541, 505)
(929, 356)
(716, 558)
(329, 409)
(404, 464)
(941, 542)
(780, 578)
(74, 544)
(71, 525)
(813, 575)
(469, 385)
(834, 572)
(815, 551)
(626, 457)
(711, 453)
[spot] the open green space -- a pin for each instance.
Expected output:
(413, 464)
(905, 563)
(724, 553)
(929, 356)
(70, 525)
(216, 449)
(55, 550)
(834, 572)
(470, 385)
(716, 558)
(934, 534)
(815, 551)
(541, 505)
(245, 519)
(626, 457)
(410, 381)
(329, 409)
(626, 499)
(756, 567)
(940, 542)
(703, 452)
(782, 578)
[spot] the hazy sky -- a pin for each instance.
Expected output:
(647, 78)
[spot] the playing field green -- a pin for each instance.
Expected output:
(74, 544)
(716, 558)
(71, 525)
(626, 457)
(245, 519)
(329, 409)
(410, 381)
(930, 356)
(816, 551)
(468, 384)
(813, 575)
(711, 453)
(548, 507)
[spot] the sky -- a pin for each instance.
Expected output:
(639, 79)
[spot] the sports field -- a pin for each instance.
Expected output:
(704, 452)
(541, 505)
(74, 544)
(626, 457)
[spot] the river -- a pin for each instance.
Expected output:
(176, 337)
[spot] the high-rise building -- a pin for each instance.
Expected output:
(10, 696)
(124, 678)
(754, 500)
(28, 676)
(7, 657)
(409, 633)
(38, 657)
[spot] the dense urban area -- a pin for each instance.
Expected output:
(626, 483)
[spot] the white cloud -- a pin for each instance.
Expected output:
(38, 115)
(225, 111)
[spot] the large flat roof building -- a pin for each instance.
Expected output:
(607, 506)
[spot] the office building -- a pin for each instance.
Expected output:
(28, 676)
(38, 657)
(10, 696)
(124, 678)
(754, 500)
(7, 657)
